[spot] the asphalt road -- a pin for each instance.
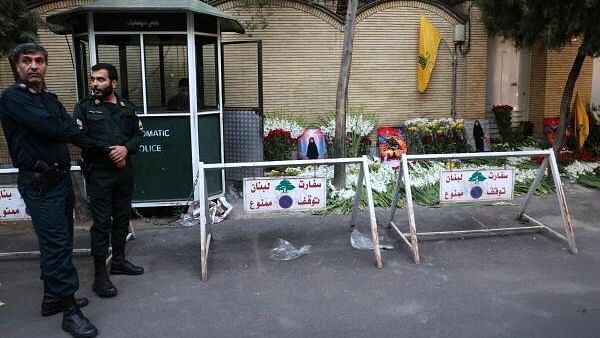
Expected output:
(510, 286)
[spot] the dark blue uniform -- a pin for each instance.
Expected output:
(37, 129)
(110, 188)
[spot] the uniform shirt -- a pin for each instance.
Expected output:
(108, 123)
(37, 127)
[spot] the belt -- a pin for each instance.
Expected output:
(60, 173)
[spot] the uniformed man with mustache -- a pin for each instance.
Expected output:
(37, 129)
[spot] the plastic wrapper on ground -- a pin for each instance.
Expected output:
(285, 251)
(218, 211)
(362, 242)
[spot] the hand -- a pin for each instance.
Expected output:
(121, 164)
(117, 153)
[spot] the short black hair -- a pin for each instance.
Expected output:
(112, 71)
(26, 48)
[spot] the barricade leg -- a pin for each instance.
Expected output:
(564, 210)
(356, 203)
(372, 216)
(411, 212)
(534, 186)
(203, 222)
(396, 196)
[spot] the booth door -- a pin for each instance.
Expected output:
(242, 106)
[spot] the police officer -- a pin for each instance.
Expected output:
(108, 118)
(37, 129)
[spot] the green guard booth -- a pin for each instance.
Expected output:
(161, 49)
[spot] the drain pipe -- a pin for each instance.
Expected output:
(453, 100)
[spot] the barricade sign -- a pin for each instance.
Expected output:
(12, 206)
(284, 193)
(476, 185)
(481, 185)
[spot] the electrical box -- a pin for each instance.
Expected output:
(459, 33)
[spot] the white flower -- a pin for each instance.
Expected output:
(355, 123)
(272, 123)
(417, 121)
(577, 168)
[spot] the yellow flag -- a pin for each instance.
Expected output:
(429, 40)
(582, 123)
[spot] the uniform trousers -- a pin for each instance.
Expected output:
(51, 213)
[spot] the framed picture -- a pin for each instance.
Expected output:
(392, 145)
(312, 145)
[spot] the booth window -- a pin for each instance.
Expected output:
(123, 51)
(82, 62)
(206, 73)
(167, 85)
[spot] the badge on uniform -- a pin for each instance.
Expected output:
(140, 125)
(79, 124)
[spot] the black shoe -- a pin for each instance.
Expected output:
(124, 267)
(51, 305)
(75, 323)
(103, 287)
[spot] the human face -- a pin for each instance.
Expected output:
(32, 68)
(102, 86)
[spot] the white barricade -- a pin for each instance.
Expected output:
(363, 178)
(548, 161)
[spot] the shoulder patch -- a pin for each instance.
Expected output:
(140, 125)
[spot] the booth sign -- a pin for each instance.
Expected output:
(267, 194)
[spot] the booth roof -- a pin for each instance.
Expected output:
(60, 22)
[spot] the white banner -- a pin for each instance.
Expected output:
(266, 194)
(476, 185)
(12, 206)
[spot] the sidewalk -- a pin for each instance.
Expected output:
(511, 286)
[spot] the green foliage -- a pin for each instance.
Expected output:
(18, 24)
(553, 22)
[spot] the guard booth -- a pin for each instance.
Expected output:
(169, 59)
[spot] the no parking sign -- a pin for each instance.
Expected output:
(284, 193)
(476, 185)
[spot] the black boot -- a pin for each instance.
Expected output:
(120, 266)
(51, 304)
(74, 322)
(102, 285)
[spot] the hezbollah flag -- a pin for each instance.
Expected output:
(582, 123)
(429, 40)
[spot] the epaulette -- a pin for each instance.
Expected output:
(23, 86)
